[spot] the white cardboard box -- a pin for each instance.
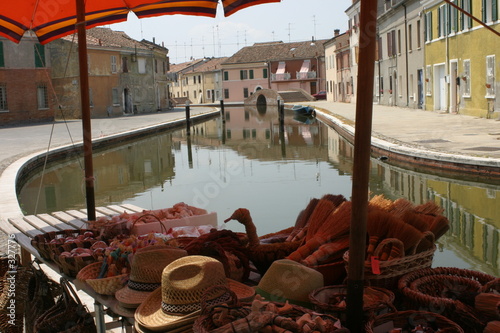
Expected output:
(195, 220)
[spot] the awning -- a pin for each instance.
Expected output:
(306, 65)
(281, 68)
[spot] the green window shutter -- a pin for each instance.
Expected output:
(462, 15)
(469, 20)
(439, 22)
(264, 73)
(251, 74)
(494, 10)
(226, 75)
(483, 11)
(39, 55)
(430, 25)
(2, 60)
(241, 74)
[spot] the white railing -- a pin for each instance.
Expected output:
(305, 75)
(281, 77)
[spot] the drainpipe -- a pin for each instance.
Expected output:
(406, 51)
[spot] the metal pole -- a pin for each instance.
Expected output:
(361, 166)
(222, 111)
(188, 119)
(85, 104)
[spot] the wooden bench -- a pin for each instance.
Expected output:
(23, 229)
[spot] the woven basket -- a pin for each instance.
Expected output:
(72, 265)
(377, 301)
(236, 310)
(449, 290)
(407, 320)
(392, 270)
(104, 286)
(48, 250)
(491, 287)
(333, 273)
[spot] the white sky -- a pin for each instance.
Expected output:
(197, 37)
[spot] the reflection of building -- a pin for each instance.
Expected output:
(120, 173)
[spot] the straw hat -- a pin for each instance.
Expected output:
(288, 280)
(145, 273)
(183, 284)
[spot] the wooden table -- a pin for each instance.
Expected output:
(23, 229)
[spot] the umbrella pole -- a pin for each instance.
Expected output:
(85, 105)
(361, 165)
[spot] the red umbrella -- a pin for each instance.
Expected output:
(52, 19)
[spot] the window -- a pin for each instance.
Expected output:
(199, 78)
(419, 42)
(466, 78)
(243, 74)
(226, 93)
(391, 43)
(490, 76)
(453, 18)
(113, 64)
(2, 59)
(490, 10)
(226, 75)
(209, 94)
(194, 80)
(251, 74)
(379, 48)
(410, 32)
(399, 41)
(264, 73)
(3, 98)
(39, 55)
(116, 96)
(245, 92)
(466, 21)
(141, 65)
(194, 94)
(124, 65)
(428, 26)
(443, 20)
(42, 97)
(428, 80)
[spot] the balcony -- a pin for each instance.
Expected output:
(305, 75)
(280, 76)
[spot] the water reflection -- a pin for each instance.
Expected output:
(247, 161)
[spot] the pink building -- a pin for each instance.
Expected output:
(275, 65)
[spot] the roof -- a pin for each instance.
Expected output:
(184, 66)
(210, 65)
(108, 38)
(278, 51)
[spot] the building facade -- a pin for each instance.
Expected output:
(125, 76)
(461, 57)
(276, 65)
(26, 93)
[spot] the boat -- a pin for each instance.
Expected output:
(304, 118)
(304, 110)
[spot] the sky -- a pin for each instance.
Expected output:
(196, 37)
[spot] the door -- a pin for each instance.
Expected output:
(420, 88)
(313, 88)
(440, 92)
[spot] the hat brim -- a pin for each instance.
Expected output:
(150, 315)
(118, 309)
(182, 329)
(130, 298)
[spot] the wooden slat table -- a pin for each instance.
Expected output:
(23, 229)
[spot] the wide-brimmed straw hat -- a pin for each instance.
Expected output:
(145, 273)
(288, 280)
(183, 286)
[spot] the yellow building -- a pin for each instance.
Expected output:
(461, 57)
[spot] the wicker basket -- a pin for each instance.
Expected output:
(237, 310)
(72, 265)
(392, 270)
(334, 273)
(377, 301)
(407, 320)
(449, 290)
(104, 286)
(48, 250)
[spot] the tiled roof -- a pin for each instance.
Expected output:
(108, 38)
(175, 68)
(210, 65)
(278, 51)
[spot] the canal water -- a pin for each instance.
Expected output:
(248, 160)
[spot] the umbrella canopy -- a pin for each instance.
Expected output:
(52, 19)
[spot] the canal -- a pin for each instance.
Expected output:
(245, 161)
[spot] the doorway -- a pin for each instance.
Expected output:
(440, 91)
(453, 87)
(127, 101)
(420, 88)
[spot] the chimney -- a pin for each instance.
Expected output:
(336, 32)
(154, 40)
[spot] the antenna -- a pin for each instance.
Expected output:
(218, 41)
(245, 38)
(203, 45)
(191, 48)
(289, 29)
(273, 34)
(237, 40)
(314, 24)
(213, 39)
